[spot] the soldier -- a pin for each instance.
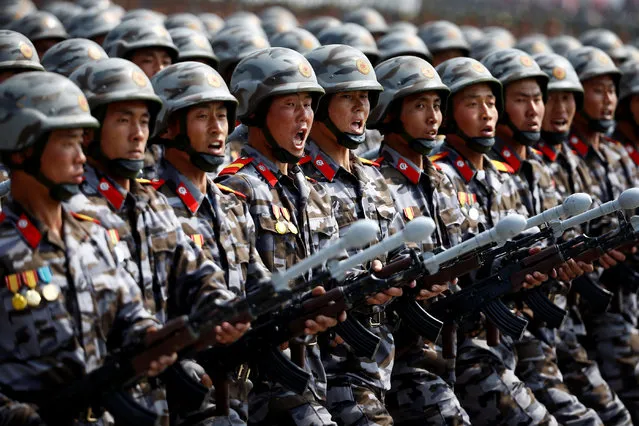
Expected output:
(370, 19)
(93, 24)
(401, 44)
(626, 114)
(484, 367)
(68, 55)
(231, 45)
(184, 20)
(563, 44)
(609, 334)
(59, 267)
(356, 385)
(146, 44)
(444, 41)
(17, 54)
(320, 23)
(518, 129)
(194, 121)
(409, 115)
(278, 92)
(122, 99)
(212, 23)
(607, 41)
(565, 97)
(42, 28)
(353, 35)
(193, 46)
(298, 39)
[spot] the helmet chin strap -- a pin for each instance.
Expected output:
(554, 138)
(280, 154)
(206, 162)
(347, 140)
(478, 144)
(521, 137)
(421, 146)
(596, 125)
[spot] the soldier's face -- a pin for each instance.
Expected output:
(289, 120)
(125, 130)
(444, 55)
(475, 111)
(349, 111)
(600, 97)
(634, 108)
(560, 110)
(151, 60)
(524, 105)
(63, 158)
(422, 115)
(207, 127)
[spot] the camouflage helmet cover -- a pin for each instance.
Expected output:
(131, 35)
(607, 41)
(14, 10)
(297, 39)
(481, 48)
(278, 13)
(590, 62)
(402, 26)
(562, 75)
(272, 72)
(368, 18)
(212, 23)
(443, 35)
(471, 34)
(93, 23)
(353, 35)
(186, 84)
(233, 44)
(400, 44)
(534, 44)
(115, 80)
(68, 55)
(243, 19)
(184, 20)
(40, 25)
(143, 15)
(629, 83)
(65, 11)
(512, 65)
(403, 76)
(319, 24)
(17, 52)
(35, 103)
(193, 45)
(563, 44)
(460, 73)
(500, 33)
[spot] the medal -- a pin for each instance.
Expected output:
(292, 228)
(19, 302)
(50, 292)
(33, 298)
(286, 214)
(473, 213)
(280, 227)
(276, 212)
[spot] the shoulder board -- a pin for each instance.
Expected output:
(368, 162)
(232, 168)
(304, 160)
(226, 189)
(85, 218)
(143, 181)
(502, 167)
(437, 157)
(536, 151)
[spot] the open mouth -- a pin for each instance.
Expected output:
(431, 134)
(300, 137)
(357, 126)
(216, 146)
(488, 131)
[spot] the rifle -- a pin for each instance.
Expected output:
(105, 386)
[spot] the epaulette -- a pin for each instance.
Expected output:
(305, 159)
(368, 162)
(536, 151)
(85, 218)
(439, 156)
(230, 190)
(502, 167)
(310, 179)
(233, 168)
(143, 181)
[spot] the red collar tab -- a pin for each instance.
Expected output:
(266, 174)
(111, 193)
(464, 170)
(157, 183)
(322, 165)
(511, 158)
(632, 152)
(187, 198)
(547, 151)
(28, 230)
(578, 145)
(304, 160)
(411, 173)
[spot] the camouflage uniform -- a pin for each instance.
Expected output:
(292, 219)
(485, 197)
(417, 395)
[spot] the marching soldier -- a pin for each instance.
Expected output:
(278, 93)
(409, 113)
(67, 297)
(17, 54)
(68, 55)
(42, 28)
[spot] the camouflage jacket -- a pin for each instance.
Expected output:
(219, 223)
(531, 176)
(571, 175)
(627, 150)
(485, 196)
(293, 221)
(168, 260)
(66, 297)
(360, 195)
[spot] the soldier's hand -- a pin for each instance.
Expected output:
(434, 291)
(571, 269)
(612, 258)
(386, 295)
(228, 333)
(321, 323)
(157, 366)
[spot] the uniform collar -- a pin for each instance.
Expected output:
(464, 167)
(548, 151)
(402, 164)
(183, 187)
(507, 154)
(265, 167)
(578, 146)
(321, 161)
(107, 188)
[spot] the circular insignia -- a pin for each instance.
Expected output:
(452, 34)
(18, 302)
(308, 43)
(22, 223)
(192, 25)
(50, 292)
(182, 190)
(33, 298)
(160, 30)
(292, 228)
(603, 58)
(428, 72)
(200, 42)
(362, 66)
(630, 149)
(139, 78)
(507, 154)
(559, 73)
(213, 80)
(280, 227)
(537, 47)
(82, 102)
(526, 61)
(26, 50)
(473, 213)
(305, 69)
(261, 167)
(259, 42)
(502, 44)
(477, 67)
(460, 163)
(104, 186)
(411, 41)
(94, 53)
(403, 166)
(617, 44)
(573, 140)
(49, 22)
(319, 163)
